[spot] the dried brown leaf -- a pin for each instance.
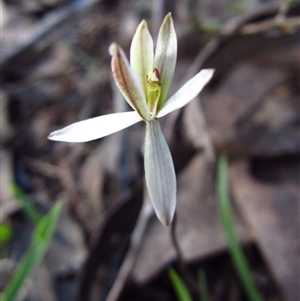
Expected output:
(272, 212)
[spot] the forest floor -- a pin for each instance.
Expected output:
(55, 70)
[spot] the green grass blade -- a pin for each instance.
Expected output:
(236, 252)
(5, 234)
(34, 215)
(203, 286)
(41, 239)
(180, 288)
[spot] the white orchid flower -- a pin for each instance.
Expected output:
(145, 84)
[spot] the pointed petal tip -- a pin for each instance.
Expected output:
(168, 16)
(58, 136)
(143, 24)
(209, 72)
(168, 19)
(51, 136)
(113, 48)
(207, 75)
(55, 136)
(166, 220)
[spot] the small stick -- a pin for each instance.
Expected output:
(125, 269)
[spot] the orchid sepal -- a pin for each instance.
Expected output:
(166, 55)
(142, 54)
(160, 173)
(95, 128)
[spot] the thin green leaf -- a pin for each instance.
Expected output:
(5, 233)
(32, 213)
(203, 286)
(180, 288)
(235, 249)
(42, 237)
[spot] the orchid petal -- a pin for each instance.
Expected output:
(128, 81)
(165, 55)
(95, 128)
(141, 54)
(160, 173)
(187, 92)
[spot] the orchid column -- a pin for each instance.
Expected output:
(145, 84)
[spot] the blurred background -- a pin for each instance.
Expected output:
(55, 70)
